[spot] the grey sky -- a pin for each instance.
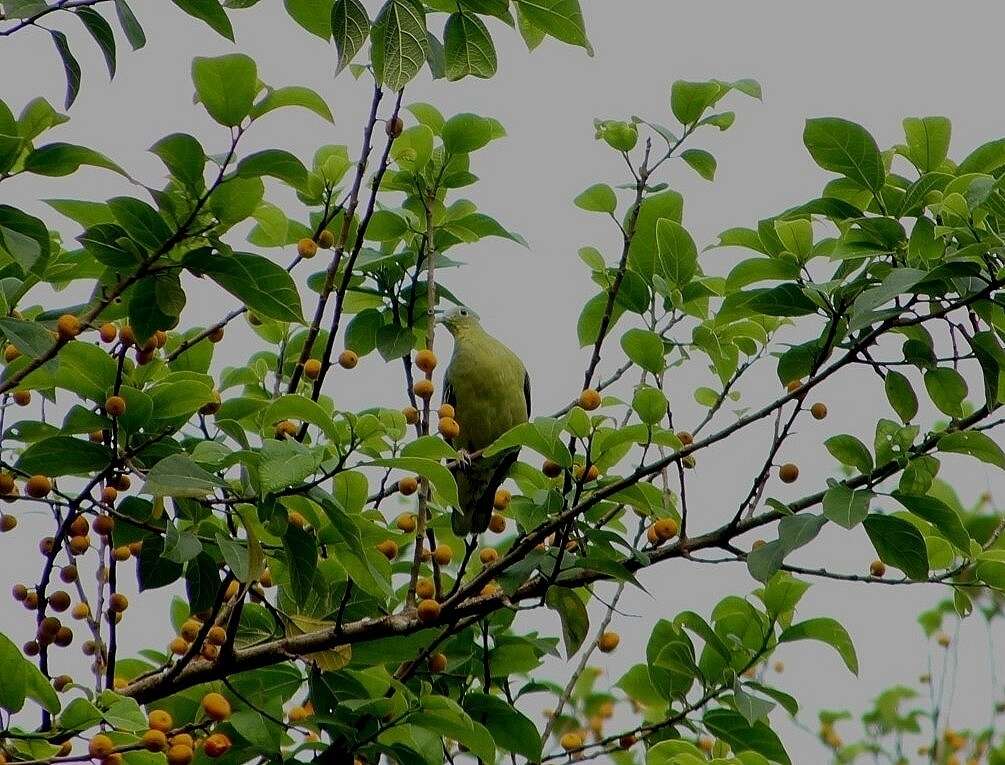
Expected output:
(870, 62)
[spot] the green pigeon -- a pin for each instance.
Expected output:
(489, 389)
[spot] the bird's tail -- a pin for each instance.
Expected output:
(476, 489)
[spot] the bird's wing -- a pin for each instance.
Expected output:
(449, 397)
(526, 391)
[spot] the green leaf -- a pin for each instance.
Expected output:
(438, 476)
(731, 727)
(464, 133)
(650, 404)
(845, 506)
(184, 157)
(796, 236)
(86, 370)
(130, 26)
(302, 559)
(901, 396)
(562, 19)
(209, 11)
(947, 389)
(236, 199)
(313, 15)
(102, 33)
(927, 141)
(58, 159)
(978, 445)
(142, 222)
(984, 159)
(575, 619)
(940, 515)
(591, 318)
(70, 67)
(751, 707)
(262, 285)
(645, 348)
(399, 43)
(784, 300)
(598, 198)
(178, 475)
(642, 252)
(276, 163)
(445, 717)
(29, 337)
(226, 85)
(293, 95)
(847, 148)
(468, 48)
(386, 226)
(826, 631)
(849, 450)
(510, 729)
(294, 407)
(64, 455)
(13, 669)
(898, 543)
(542, 434)
(677, 256)
(702, 162)
(990, 568)
(350, 26)
(689, 100)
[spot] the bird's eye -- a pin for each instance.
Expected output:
(463, 312)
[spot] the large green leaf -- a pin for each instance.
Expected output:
(226, 85)
(572, 612)
(847, 148)
(438, 476)
(979, 445)
(940, 515)
(293, 95)
(64, 455)
(276, 163)
(562, 19)
(731, 727)
(898, 543)
(57, 159)
(350, 26)
(845, 506)
(313, 15)
(399, 43)
(468, 47)
(511, 730)
(265, 287)
(676, 253)
(179, 476)
(927, 141)
(209, 11)
(827, 631)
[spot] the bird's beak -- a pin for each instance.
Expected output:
(438, 313)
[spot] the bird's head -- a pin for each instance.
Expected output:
(458, 319)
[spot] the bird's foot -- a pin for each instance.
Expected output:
(463, 459)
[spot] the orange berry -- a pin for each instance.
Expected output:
(406, 522)
(213, 405)
(788, 473)
(793, 385)
(232, 589)
(80, 611)
(448, 428)
(446, 410)
(100, 746)
(216, 745)
(59, 601)
(296, 519)
(488, 555)
(407, 486)
(312, 369)
(571, 741)
(183, 739)
(685, 437)
(108, 332)
(437, 663)
(38, 486)
(109, 494)
(217, 635)
(121, 553)
(819, 410)
(80, 545)
(103, 524)
(425, 360)
(877, 568)
(348, 359)
(160, 720)
(388, 548)
(627, 741)
(424, 588)
(216, 335)
(428, 610)
(118, 602)
(423, 388)
(68, 573)
(154, 740)
(67, 327)
(502, 499)
(589, 399)
(7, 484)
(443, 554)
(179, 754)
(411, 414)
(285, 429)
(489, 590)
(178, 646)
(7, 523)
(666, 528)
(22, 397)
(10, 352)
(497, 523)
(307, 248)
(326, 239)
(216, 706)
(757, 544)
(551, 469)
